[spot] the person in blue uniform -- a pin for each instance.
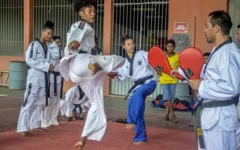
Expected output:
(136, 68)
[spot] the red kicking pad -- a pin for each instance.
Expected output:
(191, 62)
(159, 61)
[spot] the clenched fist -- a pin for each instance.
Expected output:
(74, 45)
(113, 74)
(51, 67)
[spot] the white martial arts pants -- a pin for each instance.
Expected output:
(96, 121)
(50, 113)
(238, 136)
(30, 114)
(217, 138)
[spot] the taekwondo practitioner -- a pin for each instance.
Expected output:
(86, 10)
(216, 117)
(35, 96)
(82, 65)
(50, 113)
(75, 105)
(137, 69)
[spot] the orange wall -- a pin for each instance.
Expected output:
(28, 22)
(181, 11)
(204, 8)
(185, 10)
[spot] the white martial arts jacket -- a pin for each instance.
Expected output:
(38, 60)
(55, 58)
(238, 130)
(221, 82)
(140, 67)
(76, 96)
(84, 34)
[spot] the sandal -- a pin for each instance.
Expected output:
(119, 120)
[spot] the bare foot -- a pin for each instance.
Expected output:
(139, 143)
(191, 124)
(84, 114)
(69, 119)
(174, 120)
(75, 116)
(26, 134)
(130, 126)
(166, 118)
(80, 144)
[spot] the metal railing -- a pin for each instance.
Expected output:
(61, 13)
(11, 28)
(234, 11)
(146, 21)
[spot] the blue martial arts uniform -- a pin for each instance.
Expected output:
(137, 69)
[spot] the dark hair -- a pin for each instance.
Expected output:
(78, 5)
(207, 54)
(125, 37)
(222, 19)
(48, 25)
(56, 37)
(238, 26)
(172, 42)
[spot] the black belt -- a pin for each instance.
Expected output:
(47, 87)
(55, 74)
(198, 110)
(75, 109)
(82, 52)
(136, 83)
(28, 93)
(61, 92)
(47, 90)
(94, 51)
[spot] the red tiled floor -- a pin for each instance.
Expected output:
(116, 138)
